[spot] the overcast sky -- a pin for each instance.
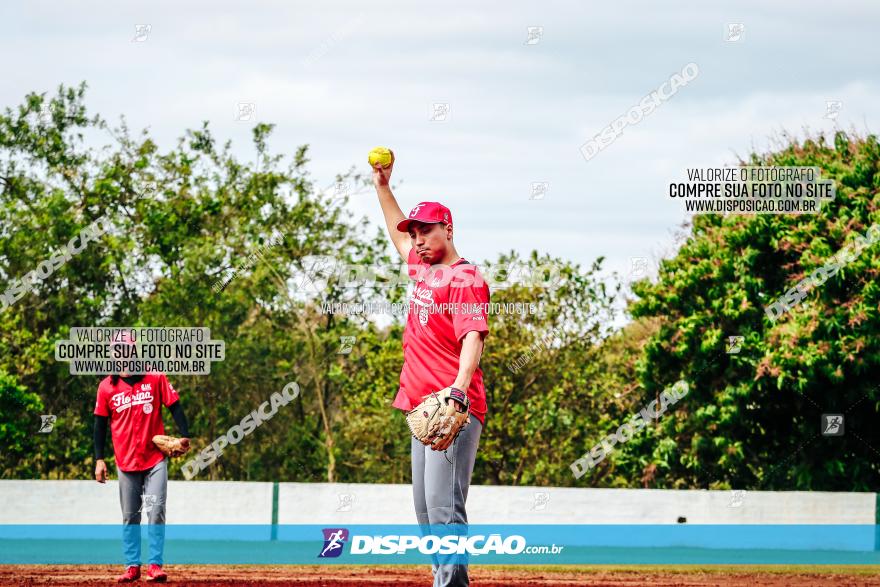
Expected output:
(346, 76)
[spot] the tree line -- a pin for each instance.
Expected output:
(181, 221)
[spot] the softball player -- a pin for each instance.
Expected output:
(133, 406)
(441, 349)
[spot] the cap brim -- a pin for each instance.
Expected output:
(403, 225)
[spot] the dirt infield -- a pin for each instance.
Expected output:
(349, 576)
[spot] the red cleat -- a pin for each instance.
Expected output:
(156, 574)
(131, 574)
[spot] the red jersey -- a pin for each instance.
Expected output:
(135, 413)
(444, 305)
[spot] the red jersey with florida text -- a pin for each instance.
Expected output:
(445, 303)
(135, 413)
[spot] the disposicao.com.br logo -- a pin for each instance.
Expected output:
(334, 541)
(429, 544)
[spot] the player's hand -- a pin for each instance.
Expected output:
(184, 444)
(100, 471)
(459, 407)
(382, 175)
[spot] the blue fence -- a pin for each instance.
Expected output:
(523, 544)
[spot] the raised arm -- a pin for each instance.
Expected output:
(390, 209)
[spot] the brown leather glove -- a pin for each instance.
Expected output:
(171, 446)
(437, 421)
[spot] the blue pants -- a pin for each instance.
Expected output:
(143, 492)
(440, 482)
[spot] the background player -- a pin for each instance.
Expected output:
(133, 406)
(441, 349)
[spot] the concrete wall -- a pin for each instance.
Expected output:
(89, 502)
(233, 502)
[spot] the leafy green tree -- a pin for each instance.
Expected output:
(181, 221)
(20, 412)
(752, 419)
(538, 368)
(200, 237)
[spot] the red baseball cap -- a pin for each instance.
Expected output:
(427, 212)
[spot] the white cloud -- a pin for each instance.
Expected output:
(346, 76)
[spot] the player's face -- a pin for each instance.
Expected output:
(429, 240)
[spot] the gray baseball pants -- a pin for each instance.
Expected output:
(143, 492)
(440, 481)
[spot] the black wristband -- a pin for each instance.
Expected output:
(459, 396)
